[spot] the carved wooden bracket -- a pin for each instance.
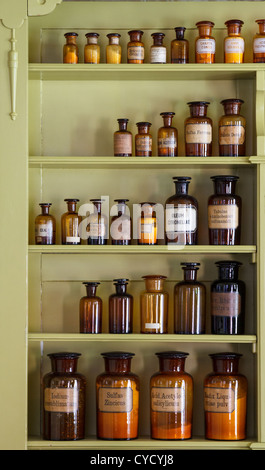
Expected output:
(13, 66)
(41, 7)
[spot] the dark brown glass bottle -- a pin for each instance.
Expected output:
(122, 140)
(224, 212)
(167, 137)
(135, 48)
(97, 226)
(45, 226)
(121, 224)
(234, 44)
(70, 49)
(90, 310)
(198, 130)
(64, 398)
(190, 302)
(143, 140)
(121, 309)
(228, 300)
(259, 43)
(158, 52)
(205, 43)
(181, 214)
(70, 222)
(232, 130)
(180, 47)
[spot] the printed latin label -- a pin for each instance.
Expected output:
(158, 55)
(61, 400)
(181, 219)
(223, 217)
(72, 239)
(43, 230)
(136, 53)
(97, 230)
(152, 326)
(147, 228)
(167, 399)
(219, 400)
(205, 46)
(225, 304)
(259, 45)
(167, 142)
(198, 133)
(143, 144)
(234, 45)
(122, 143)
(231, 135)
(115, 400)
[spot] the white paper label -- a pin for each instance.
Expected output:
(236, 45)
(259, 45)
(72, 239)
(151, 326)
(43, 230)
(205, 46)
(181, 219)
(158, 55)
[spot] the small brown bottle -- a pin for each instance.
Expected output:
(122, 140)
(259, 43)
(205, 43)
(45, 226)
(121, 309)
(180, 47)
(70, 221)
(154, 305)
(143, 140)
(121, 224)
(135, 48)
(90, 310)
(158, 52)
(167, 137)
(234, 44)
(147, 224)
(92, 49)
(198, 130)
(97, 226)
(232, 130)
(113, 49)
(70, 49)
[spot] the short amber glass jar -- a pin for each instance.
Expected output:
(205, 43)
(70, 49)
(117, 397)
(154, 305)
(70, 222)
(259, 43)
(234, 44)
(92, 49)
(180, 47)
(232, 130)
(171, 391)
(97, 226)
(113, 49)
(122, 140)
(147, 224)
(143, 140)
(45, 226)
(158, 52)
(121, 309)
(90, 310)
(198, 130)
(135, 48)
(64, 398)
(121, 224)
(167, 137)
(225, 399)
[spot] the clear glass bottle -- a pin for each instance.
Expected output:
(234, 44)
(180, 47)
(92, 49)
(147, 224)
(228, 300)
(70, 221)
(90, 310)
(122, 140)
(205, 43)
(171, 397)
(224, 212)
(45, 226)
(121, 224)
(143, 140)
(64, 399)
(154, 305)
(259, 43)
(189, 302)
(121, 309)
(135, 47)
(167, 137)
(181, 214)
(70, 49)
(158, 52)
(225, 399)
(117, 396)
(198, 130)
(97, 226)
(232, 130)
(113, 49)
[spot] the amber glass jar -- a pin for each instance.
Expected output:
(122, 140)
(198, 130)
(181, 214)
(64, 398)
(154, 305)
(70, 221)
(97, 226)
(234, 44)
(225, 399)
(171, 391)
(158, 52)
(205, 43)
(232, 130)
(143, 140)
(135, 48)
(113, 49)
(121, 224)
(120, 308)
(147, 224)
(45, 226)
(167, 137)
(224, 212)
(117, 398)
(189, 302)
(259, 43)
(228, 300)
(92, 49)
(70, 49)
(180, 47)
(90, 310)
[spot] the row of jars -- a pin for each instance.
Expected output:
(198, 133)
(177, 224)
(171, 395)
(227, 304)
(205, 46)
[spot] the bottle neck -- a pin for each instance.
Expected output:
(143, 129)
(64, 365)
(225, 366)
(198, 110)
(232, 108)
(135, 37)
(91, 291)
(190, 274)
(45, 210)
(117, 365)
(123, 126)
(181, 187)
(205, 30)
(154, 285)
(71, 40)
(158, 41)
(97, 207)
(180, 35)
(262, 28)
(167, 121)
(71, 206)
(114, 40)
(224, 187)
(172, 364)
(234, 30)
(121, 289)
(228, 273)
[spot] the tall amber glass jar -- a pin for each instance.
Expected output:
(143, 140)
(117, 396)
(158, 52)
(90, 310)
(234, 44)
(189, 302)
(181, 214)
(154, 305)
(225, 399)
(121, 224)
(64, 398)
(92, 49)
(224, 212)
(259, 43)
(180, 47)
(171, 391)
(198, 130)
(70, 49)
(113, 49)
(70, 221)
(97, 226)
(205, 43)
(232, 130)
(135, 48)
(167, 137)
(121, 309)
(147, 225)
(45, 226)
(122, 140)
